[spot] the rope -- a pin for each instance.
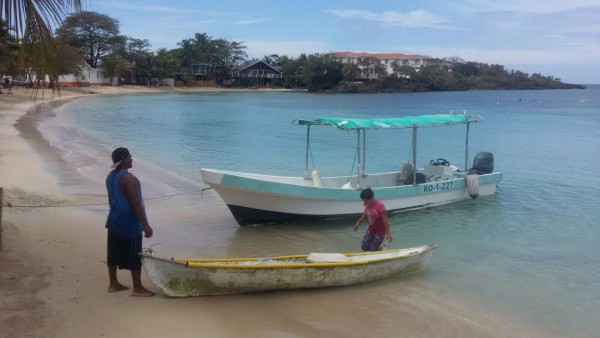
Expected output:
(354, 162)
(105, 203)
(311, 155)
(149, 250)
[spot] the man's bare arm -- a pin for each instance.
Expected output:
(131, 189)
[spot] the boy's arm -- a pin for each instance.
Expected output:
(360, 220)
(388, 233)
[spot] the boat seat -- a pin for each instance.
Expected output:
(327, 258)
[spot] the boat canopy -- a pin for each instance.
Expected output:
(393, 122)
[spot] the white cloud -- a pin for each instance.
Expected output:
(585, 54)
(414, 19)
(532, 6)
(249, 22)
(558, 62)
(161, 9)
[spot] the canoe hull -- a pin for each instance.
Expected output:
(176, 279)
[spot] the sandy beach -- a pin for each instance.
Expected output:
(53, 278)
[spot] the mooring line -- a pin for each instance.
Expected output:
(8, 204)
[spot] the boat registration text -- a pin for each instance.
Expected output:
(435, 187)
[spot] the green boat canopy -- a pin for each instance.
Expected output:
(392, 122)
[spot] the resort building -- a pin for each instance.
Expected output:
(196, 75)
(197, 70)
(369, 70)
(256, 73)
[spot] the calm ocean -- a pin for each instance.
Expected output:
(525, 257)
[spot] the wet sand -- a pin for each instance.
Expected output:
(53, 278)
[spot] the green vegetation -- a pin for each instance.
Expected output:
(95, 35)
(316, 72)
(455, 76)
(9, 50)
(27, 22)
(219, 55)
(319, 72)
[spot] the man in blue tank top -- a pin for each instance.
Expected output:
(126, 222)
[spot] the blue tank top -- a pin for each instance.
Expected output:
(121, 219)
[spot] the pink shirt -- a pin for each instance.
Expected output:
(375, 217)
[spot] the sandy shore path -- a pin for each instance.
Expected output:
(53, 276)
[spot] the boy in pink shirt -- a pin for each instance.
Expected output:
(379, 228)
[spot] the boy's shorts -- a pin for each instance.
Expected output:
(372, 242)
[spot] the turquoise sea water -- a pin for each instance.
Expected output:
(528, 255)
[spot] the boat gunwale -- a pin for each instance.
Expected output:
(242, 181)
(264, 178)
(205, 263)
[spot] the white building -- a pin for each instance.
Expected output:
(384, 59)
(89, 77)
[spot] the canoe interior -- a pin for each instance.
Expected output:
(304, 259)
(203, 277)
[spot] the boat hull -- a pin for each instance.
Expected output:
(262, 199)
(217, 277)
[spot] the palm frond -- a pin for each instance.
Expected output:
(33, 21)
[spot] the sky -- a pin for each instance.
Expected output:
(558, 38)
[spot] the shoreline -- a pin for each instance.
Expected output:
(54, 283)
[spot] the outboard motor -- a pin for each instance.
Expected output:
(483, 163)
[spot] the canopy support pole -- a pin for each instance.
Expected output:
(364, 151)
(307, 150)
(414, 146)
(358, 168)
(467, 147)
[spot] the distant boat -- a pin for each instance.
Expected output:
(203, 277)
(256, 198)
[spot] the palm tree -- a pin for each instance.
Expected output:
(350, 71)
(380, 70)
(165, 64)
(203, 43)
(8, 50)
(187, 53)
(32, 20)
(113, 66)
(366, 64)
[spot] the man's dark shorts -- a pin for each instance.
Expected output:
(123, 252)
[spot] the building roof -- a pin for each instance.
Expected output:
(251, 64)
(378, 55)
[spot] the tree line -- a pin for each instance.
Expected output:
(320, 72)
(96, 38)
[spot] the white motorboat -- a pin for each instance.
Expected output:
(256, 198)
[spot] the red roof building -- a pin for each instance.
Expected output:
(385, 59)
